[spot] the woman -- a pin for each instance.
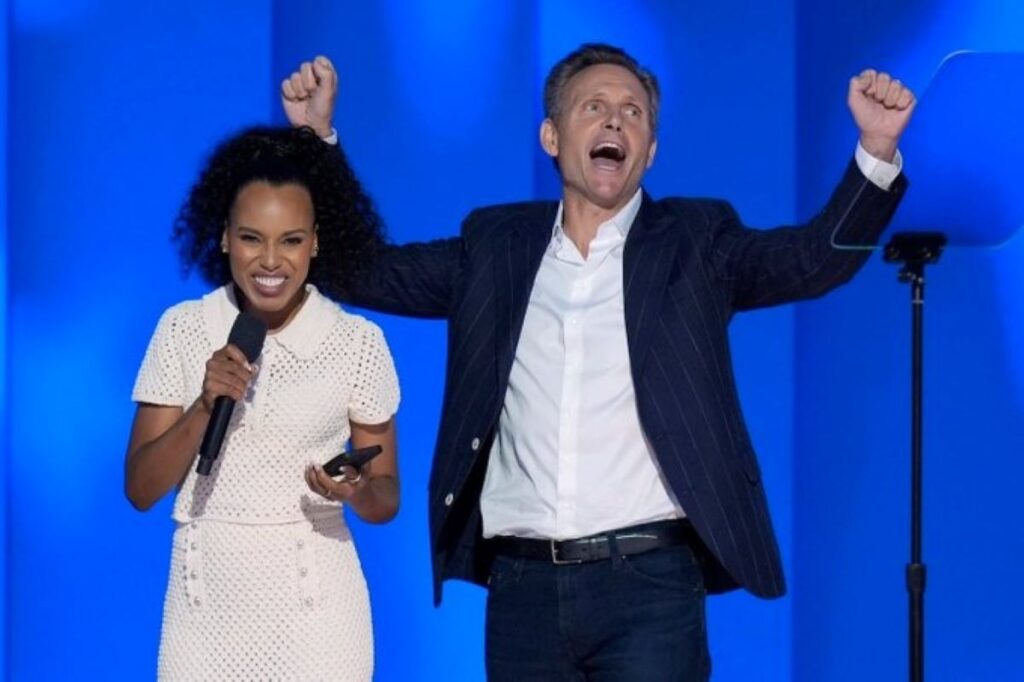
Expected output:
(265, 582)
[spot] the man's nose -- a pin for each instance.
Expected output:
(613, 122)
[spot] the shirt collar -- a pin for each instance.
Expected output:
(302, 336)
(621, 221)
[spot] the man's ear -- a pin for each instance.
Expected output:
(549, 138)
(650, 153)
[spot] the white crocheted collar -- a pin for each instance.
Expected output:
(302, 336)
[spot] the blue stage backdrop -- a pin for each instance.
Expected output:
(110, 108)
(117, 107)
(4, 428)
(852, 474)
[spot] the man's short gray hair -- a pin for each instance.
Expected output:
(592, 54)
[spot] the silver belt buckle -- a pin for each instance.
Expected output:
(554, 555)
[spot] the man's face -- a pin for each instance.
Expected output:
(602, 139)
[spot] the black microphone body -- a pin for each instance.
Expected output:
(247, 333)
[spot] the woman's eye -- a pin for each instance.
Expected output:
(249, 238)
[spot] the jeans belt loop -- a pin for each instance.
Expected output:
(613, 549)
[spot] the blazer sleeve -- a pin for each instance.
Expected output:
(768, 267)
(416, 279)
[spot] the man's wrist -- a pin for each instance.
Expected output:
(882, 148)
(331, 137)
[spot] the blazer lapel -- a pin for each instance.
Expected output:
(647, 263)
(516, 264)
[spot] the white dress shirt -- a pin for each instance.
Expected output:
(570, 458)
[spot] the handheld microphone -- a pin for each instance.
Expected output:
(247, 333)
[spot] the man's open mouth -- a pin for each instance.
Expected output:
(608, 151)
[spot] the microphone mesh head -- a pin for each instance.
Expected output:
(248, 333)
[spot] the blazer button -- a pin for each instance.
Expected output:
(475, 445)
(448, 499)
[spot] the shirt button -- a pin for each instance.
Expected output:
(196, 602)
(303, 571)
(448, 499)
(193, 575)
(299, 544)
(309, 601)
(475, 444)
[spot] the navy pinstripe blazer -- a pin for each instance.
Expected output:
(689, 265)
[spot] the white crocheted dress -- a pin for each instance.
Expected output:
(265, 583)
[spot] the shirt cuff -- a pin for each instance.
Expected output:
(881, 173)
(333, 137)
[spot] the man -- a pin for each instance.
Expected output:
(592, 465)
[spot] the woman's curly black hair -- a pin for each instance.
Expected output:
(349, 231)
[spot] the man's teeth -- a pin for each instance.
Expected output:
(270, 281)
(608, 150)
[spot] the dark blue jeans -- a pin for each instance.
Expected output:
(639, 617)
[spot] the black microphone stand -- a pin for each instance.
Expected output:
(915, 250)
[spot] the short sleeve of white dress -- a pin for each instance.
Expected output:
(160, 380)
(374, 398)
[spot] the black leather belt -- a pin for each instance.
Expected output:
(631, 540)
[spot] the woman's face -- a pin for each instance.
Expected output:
(270, 238)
